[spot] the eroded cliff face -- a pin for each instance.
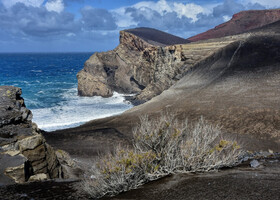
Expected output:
(111, 71)
(137, 66)
(24, 153)
(148, 61)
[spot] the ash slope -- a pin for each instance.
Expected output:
(240, 23)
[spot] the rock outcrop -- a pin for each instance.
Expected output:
(137, 63)
(24, 153)
(148, 61)
(240, 23)
(137, 66)
(141, 65)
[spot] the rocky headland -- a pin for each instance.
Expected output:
(148, 61)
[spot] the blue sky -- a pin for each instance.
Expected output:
(94, 25)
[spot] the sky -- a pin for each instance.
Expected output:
(94, 25)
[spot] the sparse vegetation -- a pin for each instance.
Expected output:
(162, 146)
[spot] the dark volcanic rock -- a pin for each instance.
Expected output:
(24, 155)
(240, 23)
(15, 118)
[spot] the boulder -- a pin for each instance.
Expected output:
(38, 177)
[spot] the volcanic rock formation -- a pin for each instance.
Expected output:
(142, 60)
(24, 153)
(148, 61)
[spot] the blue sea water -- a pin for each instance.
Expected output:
(49, 85)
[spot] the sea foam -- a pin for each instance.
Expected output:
(76, 110)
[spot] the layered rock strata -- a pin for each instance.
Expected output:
(138, 66)
(24, 153)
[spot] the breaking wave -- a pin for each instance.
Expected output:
(76, 110)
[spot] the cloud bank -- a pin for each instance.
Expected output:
(39, 25)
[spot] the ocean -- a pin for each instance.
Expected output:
(49, 86)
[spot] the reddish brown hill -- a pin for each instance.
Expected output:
(240, 23)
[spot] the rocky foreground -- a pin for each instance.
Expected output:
(243, 182)
(25, 156)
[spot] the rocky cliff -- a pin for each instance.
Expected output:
(24, 153)
(240, 23)
(148, 61)
(136, 64)
(143, 63)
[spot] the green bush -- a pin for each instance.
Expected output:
(161, 146)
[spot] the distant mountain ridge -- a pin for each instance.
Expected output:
(240, 23)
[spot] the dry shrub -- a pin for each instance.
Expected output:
(161, 146)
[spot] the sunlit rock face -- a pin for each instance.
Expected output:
(138, 62)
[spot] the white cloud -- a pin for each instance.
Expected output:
(226, 18)
(265, 3)
(34, 3)
(188, 10)
(55, 5)
(123, 19)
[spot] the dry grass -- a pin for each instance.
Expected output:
(161, 146)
